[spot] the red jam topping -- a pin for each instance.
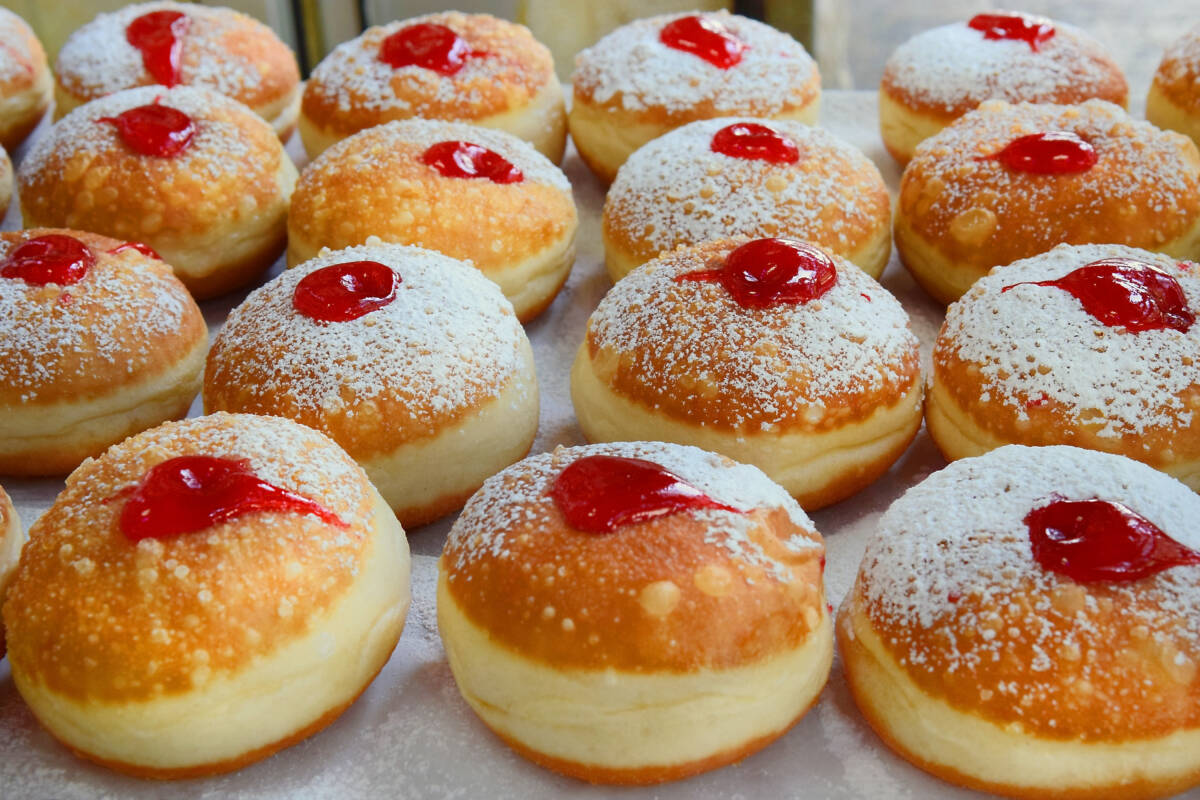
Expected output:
(343, 292)
(159, 36)
(598, 494)
(1017, 27)
(466, 160)
(1127, 293)
(154, 130)
(771, 272)
(426, 45)
(704, 38)
(1097, 540)
(53, 258)
(1052, 153)
(193, 493)
(140, 247)
(755, 142)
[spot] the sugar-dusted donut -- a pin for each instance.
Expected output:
(25, 80)
(1174, 98)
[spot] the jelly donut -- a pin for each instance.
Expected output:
(1010, 181)
(769, 351)
(25, 81)
(12, 537)
(191, 173)
(1174, 98)
(1028, 622)
(655, 74)
(939, 75)
(1090, 345)
(717, 178)
(205, 594)
(475, 194)
(98, 340)
(635, 612)
(410, 360)
(6, 182)
(186, 44)
(451, 66)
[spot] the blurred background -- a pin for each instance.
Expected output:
(851, 39)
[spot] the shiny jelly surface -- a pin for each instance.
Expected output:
(1098, 540)
(154, 129)
(1047, 153)
(426, 45)
(53, 258)
(1014, 27)
(771, 272)
(159, 37)
(1126, 293)
(342, 292)
(598, 494)
(465, 160)
(755, 142)
(192, 493)
(704, 38)
(140, 247)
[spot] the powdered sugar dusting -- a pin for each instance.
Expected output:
(1034, 340)
(633, 69)
(1180, 66)
(15, 54)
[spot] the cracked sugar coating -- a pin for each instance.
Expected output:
(92, 615)
(695, 589)
(447, 344)
(951, 69)
(677, 190)
(950, 585)
(632, 69)
(686, 348)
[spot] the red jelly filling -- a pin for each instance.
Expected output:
(1125, 292)
(466, 160)
(598, 494)
(154, 129)
(193, 493)
(1017, 27)
(752, 141)
(426, 45)
(140, 247)
(343, 292)
(53, 258)
(704, 38)
(1097, 540)
(1052, 153)
(159, 37)
(771, 272)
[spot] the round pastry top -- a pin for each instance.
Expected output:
(1033, 346)
(696, 589)
(633, 70)
(94, 615)
(445, 345)
(11, 540)
(1178, 74)
(353, 88)
(222, 49)
(377, 183)
(688, 349)
(949, 70)
(1143, 189)
(950, 583)
(128, 316)
(22, 60)
(678, 190)
(82, 170)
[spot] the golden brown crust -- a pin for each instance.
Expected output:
(23, 73)
(1178, 74)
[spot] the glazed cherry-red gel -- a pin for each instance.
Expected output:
(771, 272)
(755, 142)
(598, 494)
(193, 493)
(1048, 153)
(140, 247)
(342, 292)
(1126, 293)
(154, 129)
(704, 38)
(426, 45)
(1097, 540)
(1015, 27)
(53, 258)
(466, 160)
(159, 37)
